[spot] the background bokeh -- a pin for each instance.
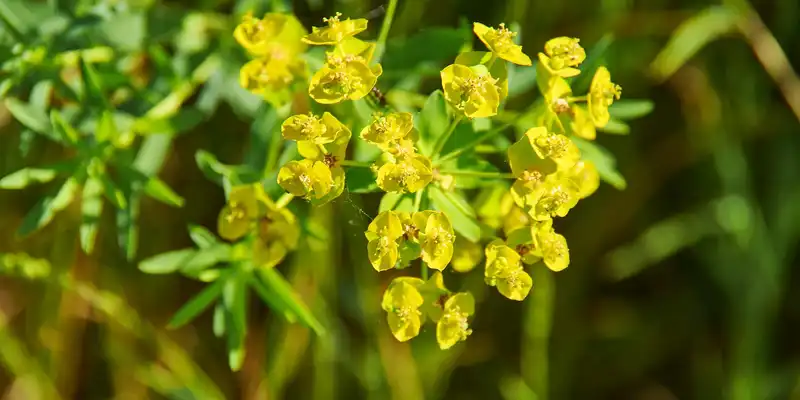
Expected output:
(682, 286)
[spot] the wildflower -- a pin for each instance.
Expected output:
(405, 174)
(473, 93)
(585, 177)
(564, 52)
(466, 255)
(481, 60)
(277, 233)
(309, 127)
(551, 245)
(306, 178)
(382, 235)
(276, 35)
(602, 94)
(582, 124)
(521, 240)
(342, 78)
(500, 42)
(453, 326)
(436, 237)
(555, 198)
(234, 219)
(504, 270)
(271, 78)
(336, 31)
(386, 131)
(402, 301)
(547, 146)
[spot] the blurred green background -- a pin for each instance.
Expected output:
(683, 286)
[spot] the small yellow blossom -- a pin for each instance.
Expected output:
(564, 52)
(309, 127)
(306, 178)
(402, 301)
(504, 270)
(552, 246)
(276, 35)
(602, 94)
(241, 208)
(555, 199)
(436, 237)
(382, 235)
(335, 31)
(277, 234)
(343, 78)
(386, 131)
(585, 176)
(582, 124)
(453, 326)
(501, 42)
(475, 94)
(405, 174)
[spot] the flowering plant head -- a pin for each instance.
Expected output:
(500, 42)
(277, 35)
(335, 31)
(602, 94)
(471, 90)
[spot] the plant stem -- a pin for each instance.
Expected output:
(424, 271)
(356, 164)
(477, 174)
(485, 136)
(437, 148)
(577, 98)
(418, 199)
(384, 34)
(284, 200)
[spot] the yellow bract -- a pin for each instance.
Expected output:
(474, 94)
(387, 131)
(382, 234)
(453, 326)
(343, 78)
(276, 35)
(241, 208)
(336, 31)
(501, 42)
(269, 76)
(585, 176)
(402, 301)
(436, 237)
(551, 246)
(504, 270)
(602, 94)
(405, 174)
(306, 178)
(564, 52)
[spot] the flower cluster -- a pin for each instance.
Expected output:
(274, 43)
(401, 168)
(346, 74)
(271, 230)
(322, 142)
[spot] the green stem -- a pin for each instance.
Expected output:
(455, 153)
(437, 148)
(477, 174)
(577, 98)
(273, 152)
(491, 62)
(284, 200)
(418, 199)
(356, 164)
(384, 34)
(424, 271)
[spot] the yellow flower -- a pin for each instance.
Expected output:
(483, 59)
(382, 235)
(602, 94)
(343, 78)
(547, 146)
(453, 326)
(386, 131)
(405, 174)
(309, 127)
(306, 178)
(555, 199)
(277, 234)
(475, 94)
(504, 270)
(501, 42)
(271, 78)
(582, 125)
(564, 52)
(336, 31)
(277, 35)
(585, 176)
(552, 246)
(241, 208)
(436, 237)
(402, 301)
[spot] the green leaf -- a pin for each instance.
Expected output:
(15, 18)
(41, 93)
(389, 201)
(432, 122)
(62, 129)
(91, 210)
(462, 221)
(691, 36)
(286, 299)
(603, 160)
(430, 46)
(30, 116)
(201, 236)
(126, 31)
(184, 120)
(128, 226)
(360, 180)
(106, 127)
(113, 193)
(234, 297)
(196, 305)
(25, 177)
(152, 186)
(44, 211)
(521, 80)
(92, 86)
(212, 168)
(630, 109)
(219, 320)
(616, 127)
(188, 261)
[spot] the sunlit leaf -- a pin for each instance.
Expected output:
(432, 122)
(626, 109)
(201, 236)
(44, 211)
(91, 210)
(30, 176)
(30, 116)
(603, 160)
(463, 223)
(197, 304)
(286, 299)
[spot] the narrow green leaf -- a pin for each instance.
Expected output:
(603, 160)
(30, 116)
(275, 283)
(616, 127)
(13, 23)
(691, 36)
(234, 297)
(360, 180)
(106, 127)
(168, 262)
(44, 211)
(41, 93)
(463, 223)
(92, 85)
(157, 189)
(389, 201)
(206, 257)
(211, 167)
(271, 299)
(91, 210)
(196, 305)
(113, 193)
(29, 176)
(219, 320)
(184, 120)
(62, 129)
(201, 236)
(432, 122)
(626, 109)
